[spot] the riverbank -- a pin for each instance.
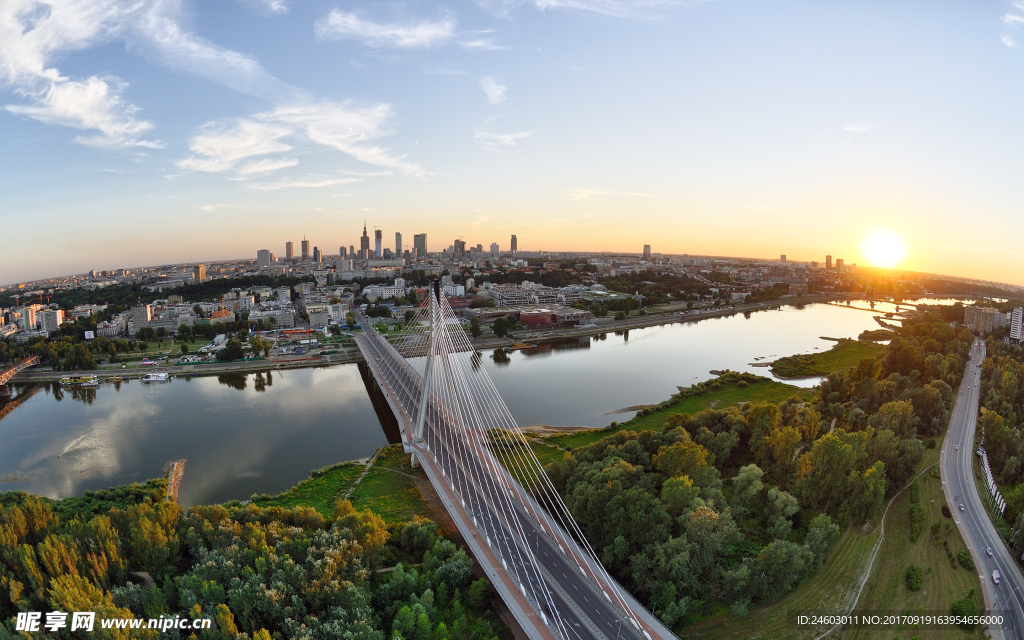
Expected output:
(668, 314)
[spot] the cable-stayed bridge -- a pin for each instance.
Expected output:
(456, 425)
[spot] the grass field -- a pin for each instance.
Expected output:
(845, 354)
(728, 395)
(389, 488)
(318, 492)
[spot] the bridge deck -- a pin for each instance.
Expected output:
(513, 545)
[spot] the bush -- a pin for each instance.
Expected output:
(966, 606)
(742, 384)
(914, 577)
(964, 558)
(916, 522)
(946, 512)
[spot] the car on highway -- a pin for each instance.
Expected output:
(957, 447)
(996, 576)
(961, 507)
(989, 551)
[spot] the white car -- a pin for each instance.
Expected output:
(961, 507)
(989, 551)
(996, 576)
(957, 447)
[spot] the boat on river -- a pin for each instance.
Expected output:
(155, 377)
(76, 379)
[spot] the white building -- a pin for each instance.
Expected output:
(1016, 319)
(50, 320)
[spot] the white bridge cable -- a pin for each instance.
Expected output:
(522, 455)
(457, 403)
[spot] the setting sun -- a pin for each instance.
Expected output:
(883, 248)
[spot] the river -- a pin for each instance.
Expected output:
(262, 433)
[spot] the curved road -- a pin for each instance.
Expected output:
(956, 463)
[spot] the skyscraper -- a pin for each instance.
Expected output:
(494, 248)
(316, 254)
(289, 251)
(378, 240)
(351, 251)
(514, 244)
(305, 249)
(647, 252)
(342, 252)
(828, 262)
(263, 258)
(199, 273)
(839, 265)
(364, 244)
(782, 258)
(460, 248)
(398, 245)
(419, 245)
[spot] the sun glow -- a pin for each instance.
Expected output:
(883, 248)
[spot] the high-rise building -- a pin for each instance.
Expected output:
(364, 244)
(199, 273)
(419, 244)
(782, 258)
(839, 265)
(514, 245)
(50, 320)
(1016, 319)
(351, 251)
(460, 247)
(305, 249)
(388, 254)
(494, 248)
(398, 245)
(378, 241)
(342, 252)
(828, 262)
(263, 258)
(316, 254)
(647, 252)
(289, 251)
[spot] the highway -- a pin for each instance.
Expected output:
(558, 584)
(969, 511)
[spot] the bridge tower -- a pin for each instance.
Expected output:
(434, 309)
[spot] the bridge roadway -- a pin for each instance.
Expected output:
(472, 478)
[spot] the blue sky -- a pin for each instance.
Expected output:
(174, 131)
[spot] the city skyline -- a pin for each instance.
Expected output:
(691, 124)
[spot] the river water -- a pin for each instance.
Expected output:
(256, 433)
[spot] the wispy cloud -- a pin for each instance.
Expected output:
(301, 184)
(33, 35)
(269, 6)
(1008, 41)
(219, 147)
(857, 128)
(500, 141)
(615, 8)
(583, 194)
(210, 208)
(481, 44)
(338, 25)
(495, 92)
(1013, 19)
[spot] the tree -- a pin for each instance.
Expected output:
(746, 485)
(184, 348)
(780, 507)
(409, 315)
(232, 351)
(474, 327)
(500, 327)
(184, 332)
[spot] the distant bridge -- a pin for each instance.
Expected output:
(13, 370)
(456, 425)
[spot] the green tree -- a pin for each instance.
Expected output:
(474, 327)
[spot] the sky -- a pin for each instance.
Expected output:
(143, 133)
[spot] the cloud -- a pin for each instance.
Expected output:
(1008, 41)
(219, 148)
(269, 6)
(1013, 19)
(267, 165)
(481, 44)
(495, 92)
(500, 141)
(615, 8)
(857, 128)
(351, 130)
(210, 208)
(303, 184)
(583, 194)
(33, 34)
(338, 25)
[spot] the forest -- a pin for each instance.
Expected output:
(258, 573)
(735, 506)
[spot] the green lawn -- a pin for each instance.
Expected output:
(318, 492)
(726, 396)
(845, 354)
(389, 489)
